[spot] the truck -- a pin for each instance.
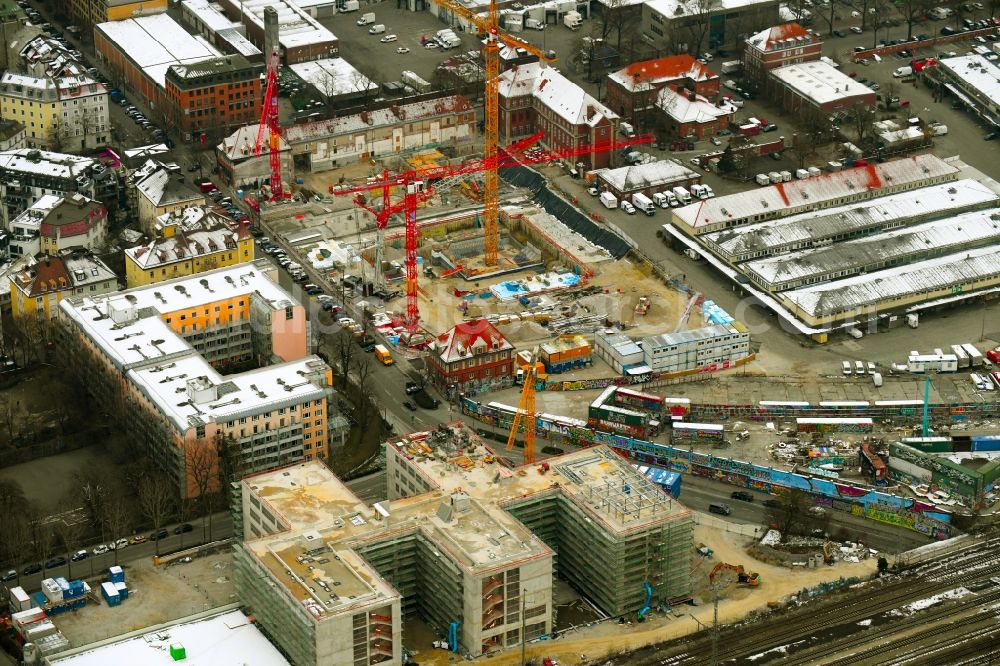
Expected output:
(626, 129)
(749, 129)
(533, 24)
(643, 203)
(350, 6)
(975, 357)
(609, 200)
(573, 20)
(383, 355)
(660, 199)
(963, 358)
(731, 66)
(366, 19)
(682, 195)
(377, 29)
(762, 179)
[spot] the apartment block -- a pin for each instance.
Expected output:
(191, 362)
(188, 82)
(41, 282)
(534, 98)
(26, 175)
(55, 223)
(59, 113)
(464, 542)
(667, 23)
(778, 46)
(157, 189)
(709, 348)
(188, 241)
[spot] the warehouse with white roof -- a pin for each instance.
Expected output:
(646, 178)
(819, 85)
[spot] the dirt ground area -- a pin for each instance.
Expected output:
(610, 638)
(156, 595)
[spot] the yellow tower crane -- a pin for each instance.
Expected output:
(526, 410)
(491, 195)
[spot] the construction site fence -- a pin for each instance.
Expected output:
(646, 378)
(857, 499)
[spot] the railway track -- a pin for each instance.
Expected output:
(783, 637)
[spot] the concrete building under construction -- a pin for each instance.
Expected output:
(466, 542)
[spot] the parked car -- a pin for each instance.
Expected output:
(409, 405)
(121, 543)
(430, 45)
(742, 495)
(101, 549)
(593, 191)
(388, 38)
(79, 555)
(772, 503)
(54, 562)
(181, 529)
(856, 29)
(138, 538)
(32, 569)
(839, 33)
(412, 387)
(10, 575)
(159, 534)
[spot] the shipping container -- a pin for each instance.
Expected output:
(669, 481)
(116, 574)
(975, 357)
(683, 432)
(963, 358)
(19, 599)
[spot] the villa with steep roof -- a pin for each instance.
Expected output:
(473, 355)
(633, 90)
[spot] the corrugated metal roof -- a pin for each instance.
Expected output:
(950, 234)
(981, 265)
(797, 195)
(820, 82)
(818, 225)
(641, 176)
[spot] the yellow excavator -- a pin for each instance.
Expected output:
(748, 578)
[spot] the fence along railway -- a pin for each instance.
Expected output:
(865, 623)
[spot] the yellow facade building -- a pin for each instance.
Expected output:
(63, 113)
(188, 241)
(92, 12)
(37, 289)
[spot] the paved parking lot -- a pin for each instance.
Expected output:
(379, 61)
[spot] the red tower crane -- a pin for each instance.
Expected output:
(416, 187)
(269, 121)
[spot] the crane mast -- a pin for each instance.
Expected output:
(270, 123)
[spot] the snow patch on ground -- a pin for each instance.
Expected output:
(781, 649)
(772, 538)
(923, 604)
(865, 623)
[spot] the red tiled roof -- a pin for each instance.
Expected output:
(466, 336)
(763, 39)
(47, 275)
(682, 66)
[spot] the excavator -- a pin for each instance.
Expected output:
(748, 578)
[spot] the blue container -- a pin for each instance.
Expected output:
(40, 599)
(116, 574)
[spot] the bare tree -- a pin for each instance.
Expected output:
(363, 369)
(12, 524)
(156, 499)
(93, 495)
(913, 11)
(816, 130)
(17, 542)
(68, 530)
(862, 7)
(861, 118)
(117, 518)
(701, 22)
(344, 347)
(202, 468)
(792, 512)
(618, 17)
(10, 412)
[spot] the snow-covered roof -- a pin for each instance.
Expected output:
(241, 143)
(798, 195)
(163, 187)
(239, 42)
(647, 74)
(641, 176)
(556, 92)
(59, 165)
(683, 109)
(671, 9)
(470, 338)
(820, 82)
(209, 14)
(783, 36)
(156, 42)
(405, 113)
(963, 268)
(200, 231)
(949, 234)
(334, 77)
(224, 638)
(828, 223)
(978, 73)
(296, 28)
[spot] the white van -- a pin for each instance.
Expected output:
(376, 29)
(902, 71)
(609, 200)
(660, 199)
(847, 367)
(859, 368)
(627, 206)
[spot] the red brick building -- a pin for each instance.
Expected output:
(632, 91)
(222, 93)
(473, 355)
(686, 114)
(778, 46)
(535, 98)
